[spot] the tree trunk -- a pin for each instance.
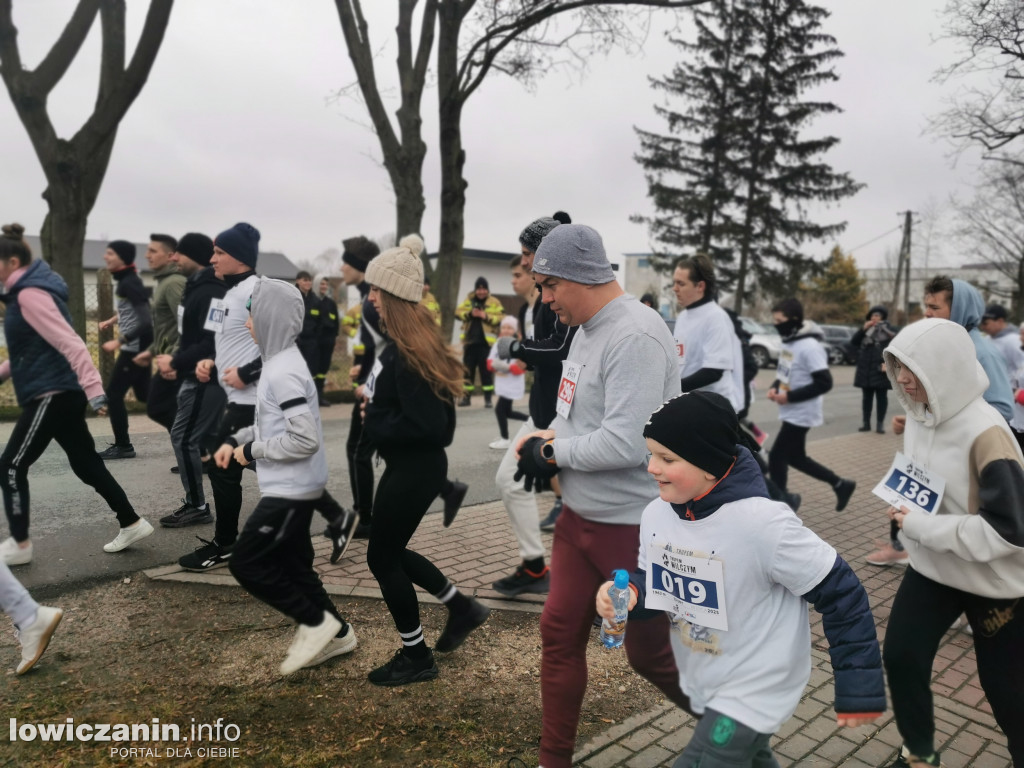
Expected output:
(453, 157)
(63, 239)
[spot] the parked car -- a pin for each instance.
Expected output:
(837, 343)
(765, 342)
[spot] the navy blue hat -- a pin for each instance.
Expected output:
(124, 250)
(241, 242)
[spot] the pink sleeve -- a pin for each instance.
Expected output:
(5, 370)
(40, 311)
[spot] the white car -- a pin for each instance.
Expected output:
(765, 342)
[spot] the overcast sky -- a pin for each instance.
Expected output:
(237, 123)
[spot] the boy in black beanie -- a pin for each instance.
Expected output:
(734, 571)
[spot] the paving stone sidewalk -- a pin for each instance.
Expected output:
(480, 548)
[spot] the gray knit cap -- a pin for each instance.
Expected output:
(535, 232)
(574, 252)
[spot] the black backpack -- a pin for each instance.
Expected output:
(750, 368)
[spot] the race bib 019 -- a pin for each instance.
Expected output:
(691, 587)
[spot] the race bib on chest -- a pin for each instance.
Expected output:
(784, 369)
(371, 380)
(567, 387)
(907, 484)
(680, 350)
(686, 586)
(215, 316)
(181, 318)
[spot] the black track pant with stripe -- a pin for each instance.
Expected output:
(60, 417)
(199, 410)
(273, 560)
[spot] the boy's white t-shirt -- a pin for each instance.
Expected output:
(706, 338)
(756, 671)
(798, 360)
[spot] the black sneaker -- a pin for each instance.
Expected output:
(115, 451)
(187, 515)
(464, 401)
(488, 403)
(402, 670)
(905, 760)
(341, 534)
(523, 581)
(362, 531)
(548, 523)
(453, 501)
(459, 625)
(207, 557)
(844, 490)
(793, 500)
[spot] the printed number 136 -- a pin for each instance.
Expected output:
(914, 492)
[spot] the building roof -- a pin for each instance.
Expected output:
(269, 263)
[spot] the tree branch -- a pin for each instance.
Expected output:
(52, 68)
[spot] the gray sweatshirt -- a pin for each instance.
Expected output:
(286, 442)
(629, 367)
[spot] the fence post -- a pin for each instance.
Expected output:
(104, 309)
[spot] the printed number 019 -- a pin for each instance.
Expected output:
(680, 586)
(915, 492)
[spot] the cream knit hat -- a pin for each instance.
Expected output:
(398, 270)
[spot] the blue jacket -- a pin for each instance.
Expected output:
(36, 366)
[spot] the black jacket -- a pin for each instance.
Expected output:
(869, 345)
(310, 318)
(197, 343)
(329, 320)
(544, 353)
(405, 415)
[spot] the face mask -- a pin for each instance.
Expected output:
(787, 328)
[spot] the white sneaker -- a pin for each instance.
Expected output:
(128, 536)
(35, 637)
(500, 444)
(309, 642)
(12, 554)
(336, 647)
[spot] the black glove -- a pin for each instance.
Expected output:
(534, 467)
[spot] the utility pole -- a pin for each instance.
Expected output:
(903, 270)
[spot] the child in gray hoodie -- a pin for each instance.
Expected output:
(273, 557)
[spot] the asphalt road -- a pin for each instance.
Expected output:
(70, 523)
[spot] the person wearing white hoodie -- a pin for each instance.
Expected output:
(273, 556)
(968, 555)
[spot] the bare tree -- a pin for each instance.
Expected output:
(519, 38)
(990, 226)
(991, 36)
(75, 167)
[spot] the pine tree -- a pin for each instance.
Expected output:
(837, 294)
(735, 173)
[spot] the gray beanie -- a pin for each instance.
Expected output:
(398, 270)
(574, 252)
(535, 232)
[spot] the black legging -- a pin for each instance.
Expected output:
(360, 466)
(126, 375)
(881, 397)
(59, 417)
(789, 450)
(504, 411)
(411, 481)
(921, 614)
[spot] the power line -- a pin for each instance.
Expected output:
(884, 234)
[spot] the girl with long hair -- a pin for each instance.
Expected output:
(409, 417)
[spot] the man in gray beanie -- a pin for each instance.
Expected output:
(619, 369)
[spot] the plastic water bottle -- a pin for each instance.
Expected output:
(613, 632)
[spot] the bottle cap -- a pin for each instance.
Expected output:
(621, 578)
